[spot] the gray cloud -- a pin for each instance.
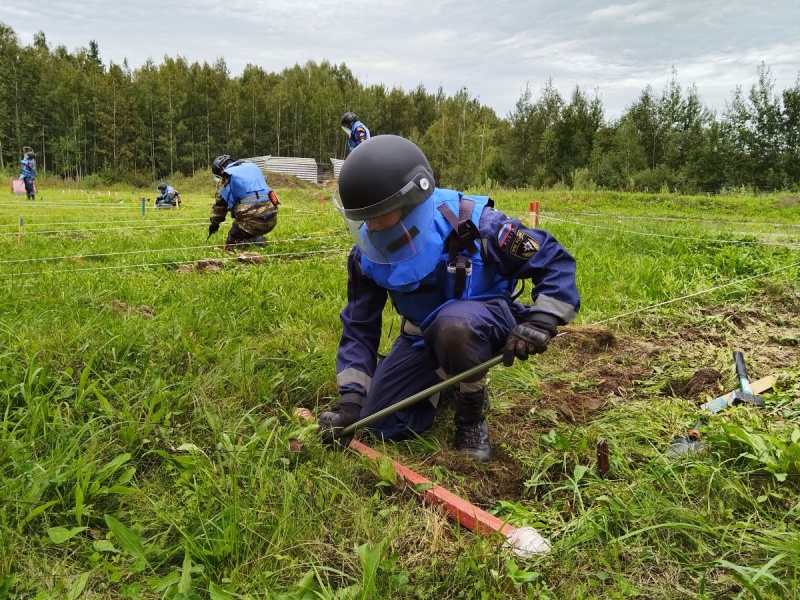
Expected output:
(494, 50)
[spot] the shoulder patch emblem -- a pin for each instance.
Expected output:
(523, 246)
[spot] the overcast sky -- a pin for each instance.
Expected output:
(493, 47)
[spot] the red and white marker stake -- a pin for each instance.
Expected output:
(534, 214)
(523, 541)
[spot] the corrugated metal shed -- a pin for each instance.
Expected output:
(302, 168)
(337, 166)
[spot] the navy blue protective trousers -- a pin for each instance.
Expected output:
(463, 334)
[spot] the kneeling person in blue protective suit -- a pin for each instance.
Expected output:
(242, 189)
(450, 264)
(169, 197)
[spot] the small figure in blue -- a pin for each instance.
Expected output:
(169, 198)
(28, 173)
(356, 131)
(242, 190)
(450, 264)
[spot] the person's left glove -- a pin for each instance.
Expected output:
(343, 414)
(530, 337)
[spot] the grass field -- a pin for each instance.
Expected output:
(145, 435)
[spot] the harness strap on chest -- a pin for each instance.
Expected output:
(462, 238)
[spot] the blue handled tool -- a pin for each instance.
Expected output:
(746, 394)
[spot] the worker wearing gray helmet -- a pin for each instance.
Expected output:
(450, 264)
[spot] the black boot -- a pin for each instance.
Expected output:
(472, 432)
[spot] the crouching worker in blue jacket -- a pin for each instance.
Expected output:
(450, 264)
(169, 197)
(242, 189)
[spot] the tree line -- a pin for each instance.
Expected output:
(136, 125)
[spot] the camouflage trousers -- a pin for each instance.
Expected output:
(30, 189)
(251, 221)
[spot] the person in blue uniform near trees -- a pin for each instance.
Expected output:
(242, 190)
(28, 174)
(450, 264)
(356, 131)
(169, 197)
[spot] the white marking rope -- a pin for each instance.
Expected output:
(675, 237)
(692, 295)
(145, 250)
(161, 264)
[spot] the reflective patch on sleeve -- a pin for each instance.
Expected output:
(522, 246)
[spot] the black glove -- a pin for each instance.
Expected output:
(346, 412)
(212, 229)
(530, 337)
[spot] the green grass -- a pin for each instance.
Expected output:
(147, 448)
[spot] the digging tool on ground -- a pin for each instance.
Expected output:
(745, 395)
(688, 443)
(427, 393)
(747, 392)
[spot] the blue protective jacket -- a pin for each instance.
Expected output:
(28, 170)
(247, 185)
(417, 292)
(167, 196)
(508, 252)
(354, 139)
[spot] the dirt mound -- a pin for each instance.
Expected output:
(704, 381)
(208, 265)
(250, 258)
(587, 338)
(142, 310)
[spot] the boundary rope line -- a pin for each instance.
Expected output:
(693, 294)
(544, 213)
(143, 251)
(54, 231)
(675, 237)
(132, 206)
(160, 264)
(139, 220)
(70, 205)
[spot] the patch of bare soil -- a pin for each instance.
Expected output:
(789, 201)
(703, 381)
(142, 310)
(250, 258)
(591, 369)
(207, 265)
(587, 338)
(482, 484)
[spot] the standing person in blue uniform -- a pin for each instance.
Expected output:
(28, 174)
(356, 131)
(450, 264)
(242, 190)
(169, 198)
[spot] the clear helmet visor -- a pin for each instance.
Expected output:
(346, 129)
(396, 228)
